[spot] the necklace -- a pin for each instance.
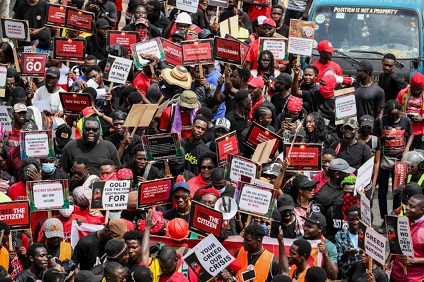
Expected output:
(254, 254)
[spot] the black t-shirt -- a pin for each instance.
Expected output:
(357, 273)
(57, 174)
(356, 154)
(391, 84)
(328, 196)
(172, 213)
(279, 102)
(154, 173)
(335, 221)
(237, 123)
(89, 251)
(162, 23)
(307, 92)
(283, 30)
(116, 140)
(326, 107)
(94, 47)
(209, 135)
(35, 15)
(289, 231)
(192, 153)
(369, 100)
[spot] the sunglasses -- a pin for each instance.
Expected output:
(208, 167)
(184, 197)
(208, 203)
(88, 129)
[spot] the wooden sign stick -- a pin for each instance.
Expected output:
(217, 15)
(11, 242)
(49, 214)
(167, 171)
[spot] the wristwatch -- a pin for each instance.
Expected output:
(412, 260)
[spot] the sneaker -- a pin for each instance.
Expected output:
(382, 228)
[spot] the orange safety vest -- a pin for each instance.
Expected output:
(262, 265)
(300, 278)
(65, 251)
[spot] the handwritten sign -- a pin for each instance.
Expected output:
(37, 144)
(345, 102)
(255, 200)
(277, 46)
(4, 118)
(399, 235)
(373, 243)
(110, 194)
(364, 176)
(151, 47)
(241, 168)
(48, 195)
(301, 37)
(117, 69)
(365, 208)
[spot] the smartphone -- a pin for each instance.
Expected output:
(289, 120)
(248, 275)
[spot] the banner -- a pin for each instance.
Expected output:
(258, 134)
(364, 176)
(173, 53)
(301, 37)
(225, 145)
(47, 195)
(208, 258)
(123, 38)
(345, 104)
(373, 243)
(399, 235)
(5, 119)
(244, 47)
(151, 47)
(154, 193)
(238, 168)
(162, 146)
(205, 220)
(81, 230)
(56, 15)
(15, 29)
(117, 69)
(187, 5)
(401, 172)
(197, 52)
(33, 64)
(255, 200)
(75, 102)
(110, 194)
(305, 157)
(227, 51)
(15, 214)
(37, 144)
(79, 20)
(365, 208)
(72, 50)
(277, 46)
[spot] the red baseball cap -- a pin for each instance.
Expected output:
(326, 46)
(417, 80)
(270, 22)
(257, 82)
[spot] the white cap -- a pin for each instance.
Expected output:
(183, 18)
(223, 123)
(261, 20)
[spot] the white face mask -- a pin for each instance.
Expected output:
(114, 214)
(68, 212)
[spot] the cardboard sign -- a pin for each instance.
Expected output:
(37, 144)
(47, 195)
(364, 176)
(3, 76)
(117, 69)
(373, 243)
(79, 20)
(399, 235)
(263, 152)
(162, 146)
(5, 119)
(151, 47)
(229, 26)
(306, 157)
(365, 207)
(205, 220)
(56, 15)
(33, 64)
(140, 115)
(277, 46)
(301, 37)
(227, 51)
(72, 50)
(197, 52)
(75, 102)
(345, 104)
(255, 199)
(239, 168)
(110, 194)
(258, 134)
(15, 214)
(15, 29)
(187, 5)
(208, 258)
(401, 171)
(225, 145)
(154, 193)
(124, 38)
(173, 53)
(244, 47)
(218, 3)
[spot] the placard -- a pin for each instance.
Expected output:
(373, 243)
(258, 134)
(3, 76)
(197, 52)
(227, 51)
(162, 146)
(305, 157)
(277, 46)
(218, 3)
(33, 64)
(239, 168)
(154, 193)
(399, 235)
(225, 145)
(140, 115)
(79, 20)
(187, 5)
(401, 172)
(244, 47)
(15, 214)
(47, 195)
(205, 220)
(56, 15)
(123, 38)
(263, 152)
(255, 199)
(173, 53)
(110, 194)
(5, 119)
(117, 69)
(37, 144)
(75, 102)
(15, 29)
(208, 258)
(301, 37)
(229, 26)
(72, 50)
(345, 104)
(151, 47)
(364, 176)
(365, 208)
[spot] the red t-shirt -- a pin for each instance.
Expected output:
(185, 119)
(141, 82)
(255, 11)
(329, 66)
(14, 138)
(253, 54)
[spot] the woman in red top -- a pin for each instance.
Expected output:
(206, 162)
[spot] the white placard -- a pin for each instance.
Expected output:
(255, 200)
(276, 47)
(5, 119)
(375, 245)
(404, 236)
(364, 175)
(365, 209)
(119, 69)
(241, 167)
(188, 5)
(258, 182)
(150, 47)
(14, 29)
(345, 106)
(37, 144)
(114, 194)
(48, 195)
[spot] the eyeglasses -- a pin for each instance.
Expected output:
(184, 197)
(88, 129)
(80, 173)
(361, 252)
(208, 167)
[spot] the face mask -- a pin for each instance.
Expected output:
(143, 35)
(115, 214)
(222, 190)
(67, 213)
(365, 132)
(326, 91)
(47, 167)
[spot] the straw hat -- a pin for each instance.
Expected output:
(177, 76)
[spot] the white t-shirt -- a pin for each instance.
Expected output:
(297, 5)
(53, 99)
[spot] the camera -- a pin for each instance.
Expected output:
(68, 265)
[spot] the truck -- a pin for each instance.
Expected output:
(368, 29)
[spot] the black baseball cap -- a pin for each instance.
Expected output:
(364, 66)
(285, 202)
(283, 78)
(316, 218)
(63, 134)
(410, 189)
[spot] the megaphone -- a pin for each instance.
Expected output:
(227, 206)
